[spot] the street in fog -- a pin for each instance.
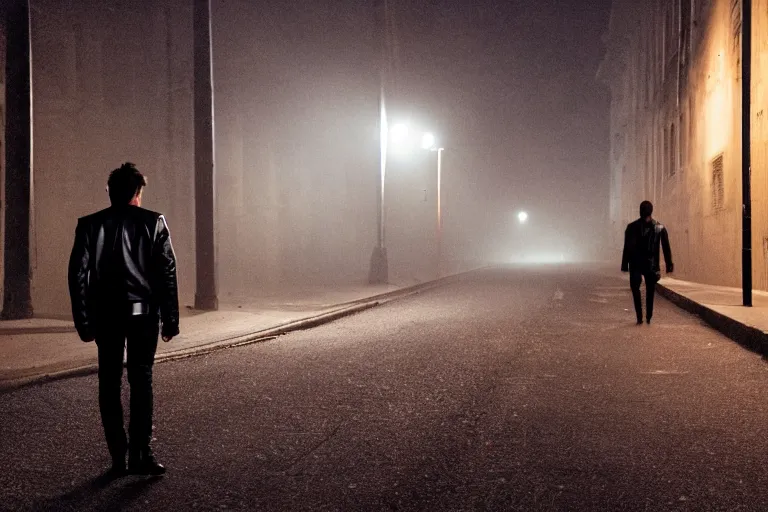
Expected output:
(382, 242)
(511, 389)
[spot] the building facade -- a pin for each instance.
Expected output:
(674, 70)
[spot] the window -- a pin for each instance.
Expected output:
(699, 8)
(670, 30)
(718, 192)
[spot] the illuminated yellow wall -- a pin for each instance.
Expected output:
(705, 108)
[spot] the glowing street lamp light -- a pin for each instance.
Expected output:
(522, 217)
(428, 141)
(400, 133)
(403, 140)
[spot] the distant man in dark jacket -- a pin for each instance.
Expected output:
(122, 282)
(642, 240)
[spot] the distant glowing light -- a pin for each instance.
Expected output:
(543, 258)
(400, 134)
(428, 141)
(522, 217)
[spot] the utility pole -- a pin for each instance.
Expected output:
(206, 294)
(379, 270)
(746, 151)
(17, 297)
(439, 212)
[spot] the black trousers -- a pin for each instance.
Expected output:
(139, 334)
(636, 277)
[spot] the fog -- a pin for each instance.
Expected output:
(508, 89)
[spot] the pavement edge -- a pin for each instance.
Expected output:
(339, 311)
(748, 337)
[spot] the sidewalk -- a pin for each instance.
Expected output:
(40, 349)
(721, 307)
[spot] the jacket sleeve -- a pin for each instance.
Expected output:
(667, 250)
(166, 282)
(79, 261)
(626, 252)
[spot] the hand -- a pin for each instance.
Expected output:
(167, 338)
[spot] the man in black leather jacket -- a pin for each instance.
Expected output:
(642, 240)
(122, 282)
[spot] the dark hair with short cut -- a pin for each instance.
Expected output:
(646, 209)
(124, 183)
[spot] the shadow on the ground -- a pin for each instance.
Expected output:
(105, 492)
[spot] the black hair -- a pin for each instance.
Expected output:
(124, 183)
(646, 209)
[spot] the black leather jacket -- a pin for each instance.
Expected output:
(122, 256)
(642, 241)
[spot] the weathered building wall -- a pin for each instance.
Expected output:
(111, 84)
(760, 143)
(297, 146)
(296, 119)
(676, 130)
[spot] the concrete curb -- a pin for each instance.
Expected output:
(749, 337)
(340, 311)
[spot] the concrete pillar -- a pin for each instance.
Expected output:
(206, 295)
(17, 299)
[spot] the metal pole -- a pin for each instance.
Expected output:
(384, 143)
(17, 297)
(746, 147)
(379, 269)
(439, 212)
(206, 295)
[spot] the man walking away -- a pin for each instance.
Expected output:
(122, 282)
(642, 240)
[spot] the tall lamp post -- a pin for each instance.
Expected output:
(746, 157)
(378, 272)
(399, 138)
(428, 141)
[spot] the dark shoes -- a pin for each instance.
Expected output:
(648, 320)
(117, 470)
(145, 464)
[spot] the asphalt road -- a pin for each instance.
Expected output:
(509, 390)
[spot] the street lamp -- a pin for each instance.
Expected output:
(400, 138)
(400, 134)
(522, 217)
(429, 141)
(439, 210)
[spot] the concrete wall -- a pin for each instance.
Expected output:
(676, 109)
(111, 83)
(297, 147)
(760, 143)
(297, 139)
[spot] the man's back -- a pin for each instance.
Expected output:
(642, 240)
(123, 256)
